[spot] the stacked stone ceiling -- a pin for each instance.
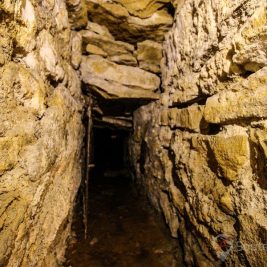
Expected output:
(121, 46)
(132, 21)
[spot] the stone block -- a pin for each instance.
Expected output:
(232, 153)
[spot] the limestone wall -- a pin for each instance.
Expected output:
(121, 48)
(40, 132)
(200, 152)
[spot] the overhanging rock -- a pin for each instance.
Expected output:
(112, 80)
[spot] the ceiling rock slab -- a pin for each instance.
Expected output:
(124, 26)
(111, 80)
(97, 40)
(144, 8)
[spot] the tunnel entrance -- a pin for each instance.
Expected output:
(110, 152)
(123, 230)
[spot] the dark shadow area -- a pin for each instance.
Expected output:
(110, 152)
(115, 106)
(124, 231)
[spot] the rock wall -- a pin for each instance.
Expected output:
(40, 132)
(200, 151)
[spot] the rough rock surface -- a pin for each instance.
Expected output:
(131, 21)
(149, 55)
(77, 13)
(122, 54)
(117, 81)
(200, 151)
(143, 8)
(40, 132)
(120, 35)
(107, 44)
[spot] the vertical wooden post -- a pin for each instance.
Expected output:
(87, 167)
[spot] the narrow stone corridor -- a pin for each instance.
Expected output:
(123, 229)
(149, 117)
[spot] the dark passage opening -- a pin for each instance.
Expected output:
(110, 151)
(123, 230)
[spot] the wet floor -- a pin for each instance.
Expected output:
(124, 231)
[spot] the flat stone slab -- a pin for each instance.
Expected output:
(117, 81)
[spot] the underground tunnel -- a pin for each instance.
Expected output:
(133, 133)
(122, 229)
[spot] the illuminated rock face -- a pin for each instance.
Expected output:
(118, 81)
(40, 132)
(200, 151)
(46, 48)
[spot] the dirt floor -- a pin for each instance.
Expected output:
(124, 231)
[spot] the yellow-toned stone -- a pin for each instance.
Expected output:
(7, 6)
(31, 91)
(26, 33)
(226, 202)
(259, 134)
(164, 117)
(254, 228)
(245, 99)
(9, 152)
(177, 198)
(99, 67)
(107, 44)
(50, 56)
(232, 154)
(126, 59)
(76, 49)
(77, 13)
(127, 27)
(250, 47)
(149, 55)
(6, 47)
(39, 141)
(142, 8)
(257, 24)
(95, 50)
(118, 81)
(99, 29)
(187, 118)
(117, 10)
(170, 216)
